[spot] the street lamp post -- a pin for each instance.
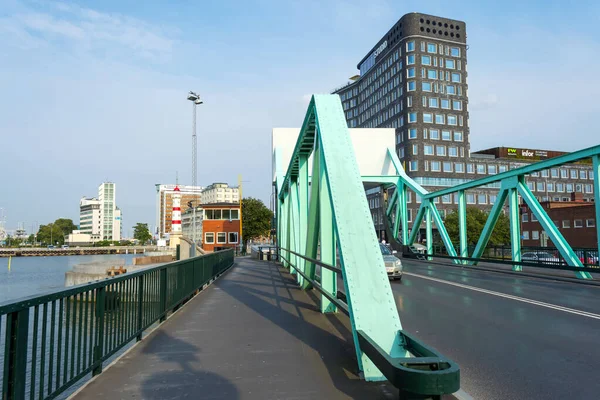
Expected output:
(195, 98)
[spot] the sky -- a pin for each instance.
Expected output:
(94, 91)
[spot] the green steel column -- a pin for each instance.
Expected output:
(293, 226)
(417, 221)
(302, 211)
(462, 224)
(596, 170)
(402, 212)
(428, 230)
(439, 223)
(328, 244)
(515, 227)
(312, 237)
(492, 219)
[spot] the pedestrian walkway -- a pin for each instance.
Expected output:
(253, 334)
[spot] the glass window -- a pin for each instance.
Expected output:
(447, 166)
(525, 217)
(412, 133)
(217, 214)
(428, 150)
(409, 102)
(573, 174)
(221, 237)
(447, 199)
(569, 188)
(566, 223)
(591, 175)
(445, 104)
(588, 188)
(578, 223)
(456, 77)
(209, 237)
(434, 102)
(431, 48)
(545, 173)
(458, 136)
(459, 167)
(470, 198)
(482, 199)
(550, 187)
(428, 118)
(451, 89)
(225, 214)
(445, 135)
(450, 64)
(412, 117)
(457, 104)
(540, 187)
(491, 169)
(414, 166)
(233, 237)
(590, 223)
(426, 86)
(579, 188)
(435, 166)
(582, 174)
(410, 72)
(440, 150)
(412, 85)
(560, 187)
(564, 173)
(554, 172)
(434, 134)
(481, 168)
(439, 119)
(410, 46)
(535, 235)
(426, 60)
(453, 151)
(432, 74)
(451, 119)
(235, 214)
(454, 51)
(410, 59)
(525, 235)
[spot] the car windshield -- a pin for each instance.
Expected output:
(384, 250)
(545, 255)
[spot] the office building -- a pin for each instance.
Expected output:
(164, 204)
(415, 80)
(220, 193)
(110, 215)
(89, 218)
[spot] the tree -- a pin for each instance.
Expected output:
(31, 239)
(141, 232)
(256, 219)
(56, 231)
(476, 220)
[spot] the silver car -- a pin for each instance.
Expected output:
(393, 265)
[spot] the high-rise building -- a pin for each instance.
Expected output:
(164, 204)
(110, 226)
(415, 80)
(89, 217)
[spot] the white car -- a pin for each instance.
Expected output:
(540, 257)
(393, 265)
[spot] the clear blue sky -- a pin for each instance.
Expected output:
(96, 90)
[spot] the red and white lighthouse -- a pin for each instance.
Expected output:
(175, 237)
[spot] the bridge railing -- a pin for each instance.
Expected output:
(50, 342)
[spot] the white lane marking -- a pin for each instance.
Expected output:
(508, 296)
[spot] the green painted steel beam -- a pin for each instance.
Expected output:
(328, 243)
(489, 226)
(515, 227)
(553, 162)
(462, 224)
(417, 222)
(552, 230)
(596, 171)
(428, 230)
(370, 299)
(402, 213)
(302, 211)
(439, 223)
(314, 218)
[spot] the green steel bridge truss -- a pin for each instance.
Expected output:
(324, 216)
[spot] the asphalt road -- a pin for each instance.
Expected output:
(513, 337)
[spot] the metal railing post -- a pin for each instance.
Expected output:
(99, 347)
(140, 307)
(163, 293)
(15, 363)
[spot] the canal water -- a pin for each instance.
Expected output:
(30, 276)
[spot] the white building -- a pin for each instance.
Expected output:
(220, 193)
(78, 238)
(188, 227)
(164, 204)
(89, 218)
(110, 215)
